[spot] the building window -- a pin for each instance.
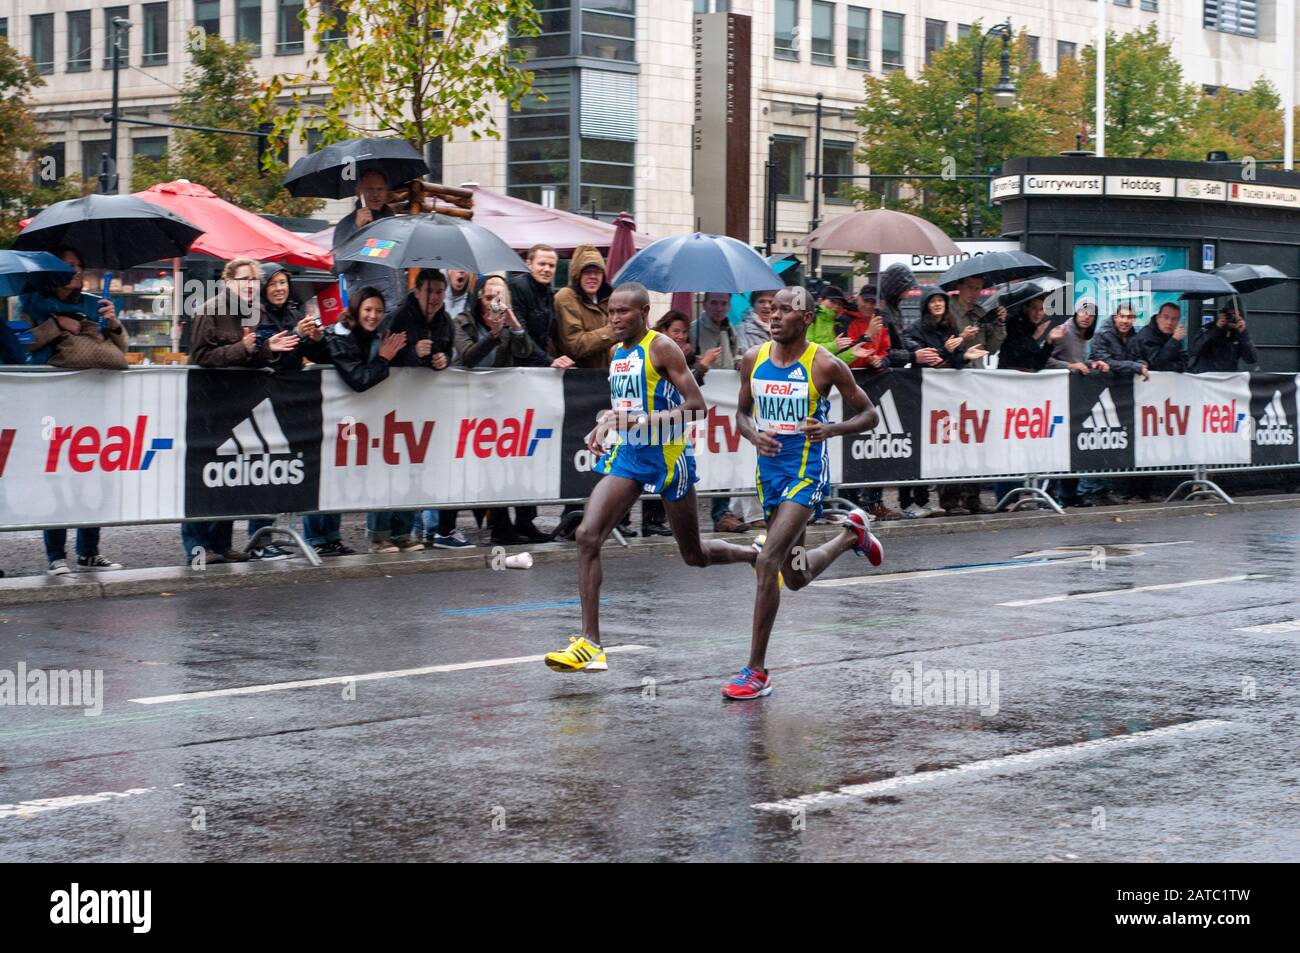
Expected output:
(963, 30)
(207, 16)
(718, 6)
(4, 29)
(609, 29)
(537, 154)
(337, 10)
(92, 156)
(837, 159)
(936, 32)
(1232, 16)
(43, 42)
(78, 41)
(1064, 51)
(556, 37)
(1032, 43)
(149, 147)
(823, 33)
(288, 28)
(433, 158)
(889, 190)
(787, 158)
(1123, 3)
(248, 24)
(787, 22)
(155, 34)
(1150, 6)
(857, 53)
(891, 41)
(111, 14)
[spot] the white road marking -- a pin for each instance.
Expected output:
(41, 805)
(1291, 626)
(934, 573)
(367, 677)
(1105, 593)
(992, 766)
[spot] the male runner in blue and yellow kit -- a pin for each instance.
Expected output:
(653, 398)
(785, 389)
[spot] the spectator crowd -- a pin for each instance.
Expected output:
(439, 320)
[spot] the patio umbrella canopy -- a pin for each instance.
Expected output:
(882, 231)
(231, 232)
(521, 224)
(334, 171)
(24, 271)
(110, 231)
(430, 241)
(699, 262)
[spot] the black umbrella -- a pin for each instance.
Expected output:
(429, 241)
(110, 231)
(335, 171)
(1194, 285)
(1023, 291)
(1248, 278)
(995, 268)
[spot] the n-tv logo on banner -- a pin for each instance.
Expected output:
(252, 443)
(1272, 429)
(891, 450)
(1101, 423)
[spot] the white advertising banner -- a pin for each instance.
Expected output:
(982, 423)
(450, 437)
(1185, 419)
(88, 447)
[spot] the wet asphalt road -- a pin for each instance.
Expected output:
(646, 762)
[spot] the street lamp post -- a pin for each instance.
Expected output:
(1004, 94)
(108, 177)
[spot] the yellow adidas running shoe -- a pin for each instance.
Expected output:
(580, 656)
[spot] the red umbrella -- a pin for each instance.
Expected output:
(623, 246)
(231, 232)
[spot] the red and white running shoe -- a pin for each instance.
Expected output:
(867, 544)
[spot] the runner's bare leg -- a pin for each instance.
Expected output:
(613, 496)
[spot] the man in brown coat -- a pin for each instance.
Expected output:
(582, 326)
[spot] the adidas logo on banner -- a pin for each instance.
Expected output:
(887, 440)
(1273, 429)
(1101, 429)
(256, 447)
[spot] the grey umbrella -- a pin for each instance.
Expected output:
(882, 231)
(429, 241)
(1194, 285)
(1248, 278)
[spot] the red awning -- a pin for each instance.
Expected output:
(230, 231)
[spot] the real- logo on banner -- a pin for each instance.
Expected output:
(1101, 423)
(252, 443)
(1273, 419)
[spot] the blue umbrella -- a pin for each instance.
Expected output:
(700, 262)
(24, 271)
(740, 302)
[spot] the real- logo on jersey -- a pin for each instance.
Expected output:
(626, 383)
(780, 406)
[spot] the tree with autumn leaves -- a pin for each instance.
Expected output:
(412, 69)
(926, 124)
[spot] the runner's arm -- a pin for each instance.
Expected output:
(855, 398)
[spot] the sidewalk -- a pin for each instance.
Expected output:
(136, 545)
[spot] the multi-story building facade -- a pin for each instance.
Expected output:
(615, 130)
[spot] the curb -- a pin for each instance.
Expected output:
(170, 580)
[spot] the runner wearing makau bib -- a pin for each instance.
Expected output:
(783, 411)
(652, 398)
